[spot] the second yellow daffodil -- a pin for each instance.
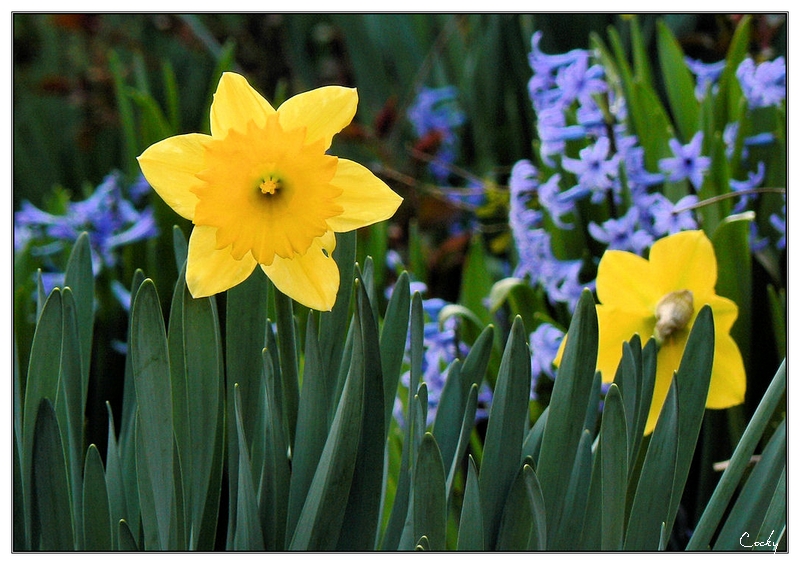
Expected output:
(661, 297)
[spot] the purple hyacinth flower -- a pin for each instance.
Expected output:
(596, 171)
(623, 233)
(763, 84)
(579, 81)
(754, 180)
(688, 163)
(707, 75)
(557, 208)
(669, 218)
(638, 175)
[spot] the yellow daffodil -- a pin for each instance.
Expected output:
(661, 297)
(261, 190)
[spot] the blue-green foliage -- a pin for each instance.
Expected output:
(332, 496)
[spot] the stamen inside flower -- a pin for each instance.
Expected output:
(270, 185)
(673, 313)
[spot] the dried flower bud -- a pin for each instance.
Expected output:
(673, 313)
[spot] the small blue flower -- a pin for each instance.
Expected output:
(754, 180)
(757, 241)
(523, 185)
(51, 281)
(687, 163)
(542, 86)
(551, 125)
(549, 198)
(623, 233)
(730, 134)
(579, 81)
(763, 84)
(638, 175)
(707, 75)
(436, 109)
(668, 218)
(596, 171)
(562, 282)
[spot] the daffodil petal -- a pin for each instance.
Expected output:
(236, 103)
(324, 112)
(684, 260)
(725, 313)
(623, 281)
(365, 198)
(210, 270)
(170, 167)
(616, 326)
(728, 381)
(311, 279)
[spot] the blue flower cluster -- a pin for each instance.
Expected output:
(577, 109)
(112, 216)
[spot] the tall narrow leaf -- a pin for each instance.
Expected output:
(567, 413)
(470, 527)
(393, 342)
(430, 499)
(97, 514)
(678, 82)
(654, 491)
(614, 469)
(504, 432)
(364, 500)
(397, 518)
(150, 362)
(312, 430)
(51, 495)
(246, 307)
(247, 534)
(41, 382)
(203, 385)
(79, 277)
(516, 524)
(320, 521)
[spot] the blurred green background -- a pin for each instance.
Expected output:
(67, 125)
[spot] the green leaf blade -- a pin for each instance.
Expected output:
(51, 492)
(96, 510)
(504, 432)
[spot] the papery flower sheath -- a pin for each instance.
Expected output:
(661, 297)
(261, 190)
